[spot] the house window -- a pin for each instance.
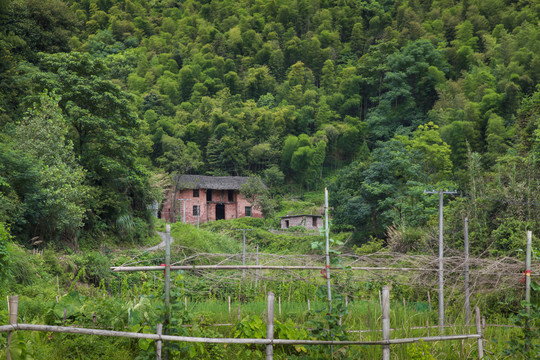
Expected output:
(231, 195)
(195, 192)
(208, 195)
(248, 210)
(196, 210)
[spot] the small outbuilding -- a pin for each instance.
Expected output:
(310, 222)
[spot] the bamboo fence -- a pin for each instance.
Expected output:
(270, 341)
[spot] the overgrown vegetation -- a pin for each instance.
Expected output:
(94, 297)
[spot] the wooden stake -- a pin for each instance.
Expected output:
(386, 321)
(239, 312)
(479, 332)
(158, 343)
(185, 303)
(244, 253)
(229, 306)
(429, 300)
(257, 270)
(279, 305)
(58, 289)
(270, 326)
(13, 310)
(308, 305)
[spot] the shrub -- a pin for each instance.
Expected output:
(509, 237)
(370, 247)
(4, 258)
(404, 239)
(96, 267)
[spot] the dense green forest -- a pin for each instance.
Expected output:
(102, 100)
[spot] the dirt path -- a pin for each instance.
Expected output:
(161, 245)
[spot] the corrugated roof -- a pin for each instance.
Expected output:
(211, 182)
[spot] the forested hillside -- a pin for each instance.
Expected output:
(102, 99)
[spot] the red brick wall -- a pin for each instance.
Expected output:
(233, 210)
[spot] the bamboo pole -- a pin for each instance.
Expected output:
(244, 252)
(327, 232)
(467, 294)
(479, 333)
(13, 315)
(159, 342)
(270, 267)
(380, 301)
(270, 326)
(441, 265)
(528, 284)
(257, 270)
(168, 281)
(244, 249)
(83, 331)
(528, 273)
(167, 274)
(386, 321)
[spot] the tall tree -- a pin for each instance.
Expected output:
(105, 130)
(42, 134)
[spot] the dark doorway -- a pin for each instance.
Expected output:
(220, 211)
(287, 224)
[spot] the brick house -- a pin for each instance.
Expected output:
(207, 198)
(310, 222)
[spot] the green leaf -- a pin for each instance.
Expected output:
(144, 344)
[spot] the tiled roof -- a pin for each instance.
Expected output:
(291, 216)
(210, 182)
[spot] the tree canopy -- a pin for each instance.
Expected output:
(303, 88)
